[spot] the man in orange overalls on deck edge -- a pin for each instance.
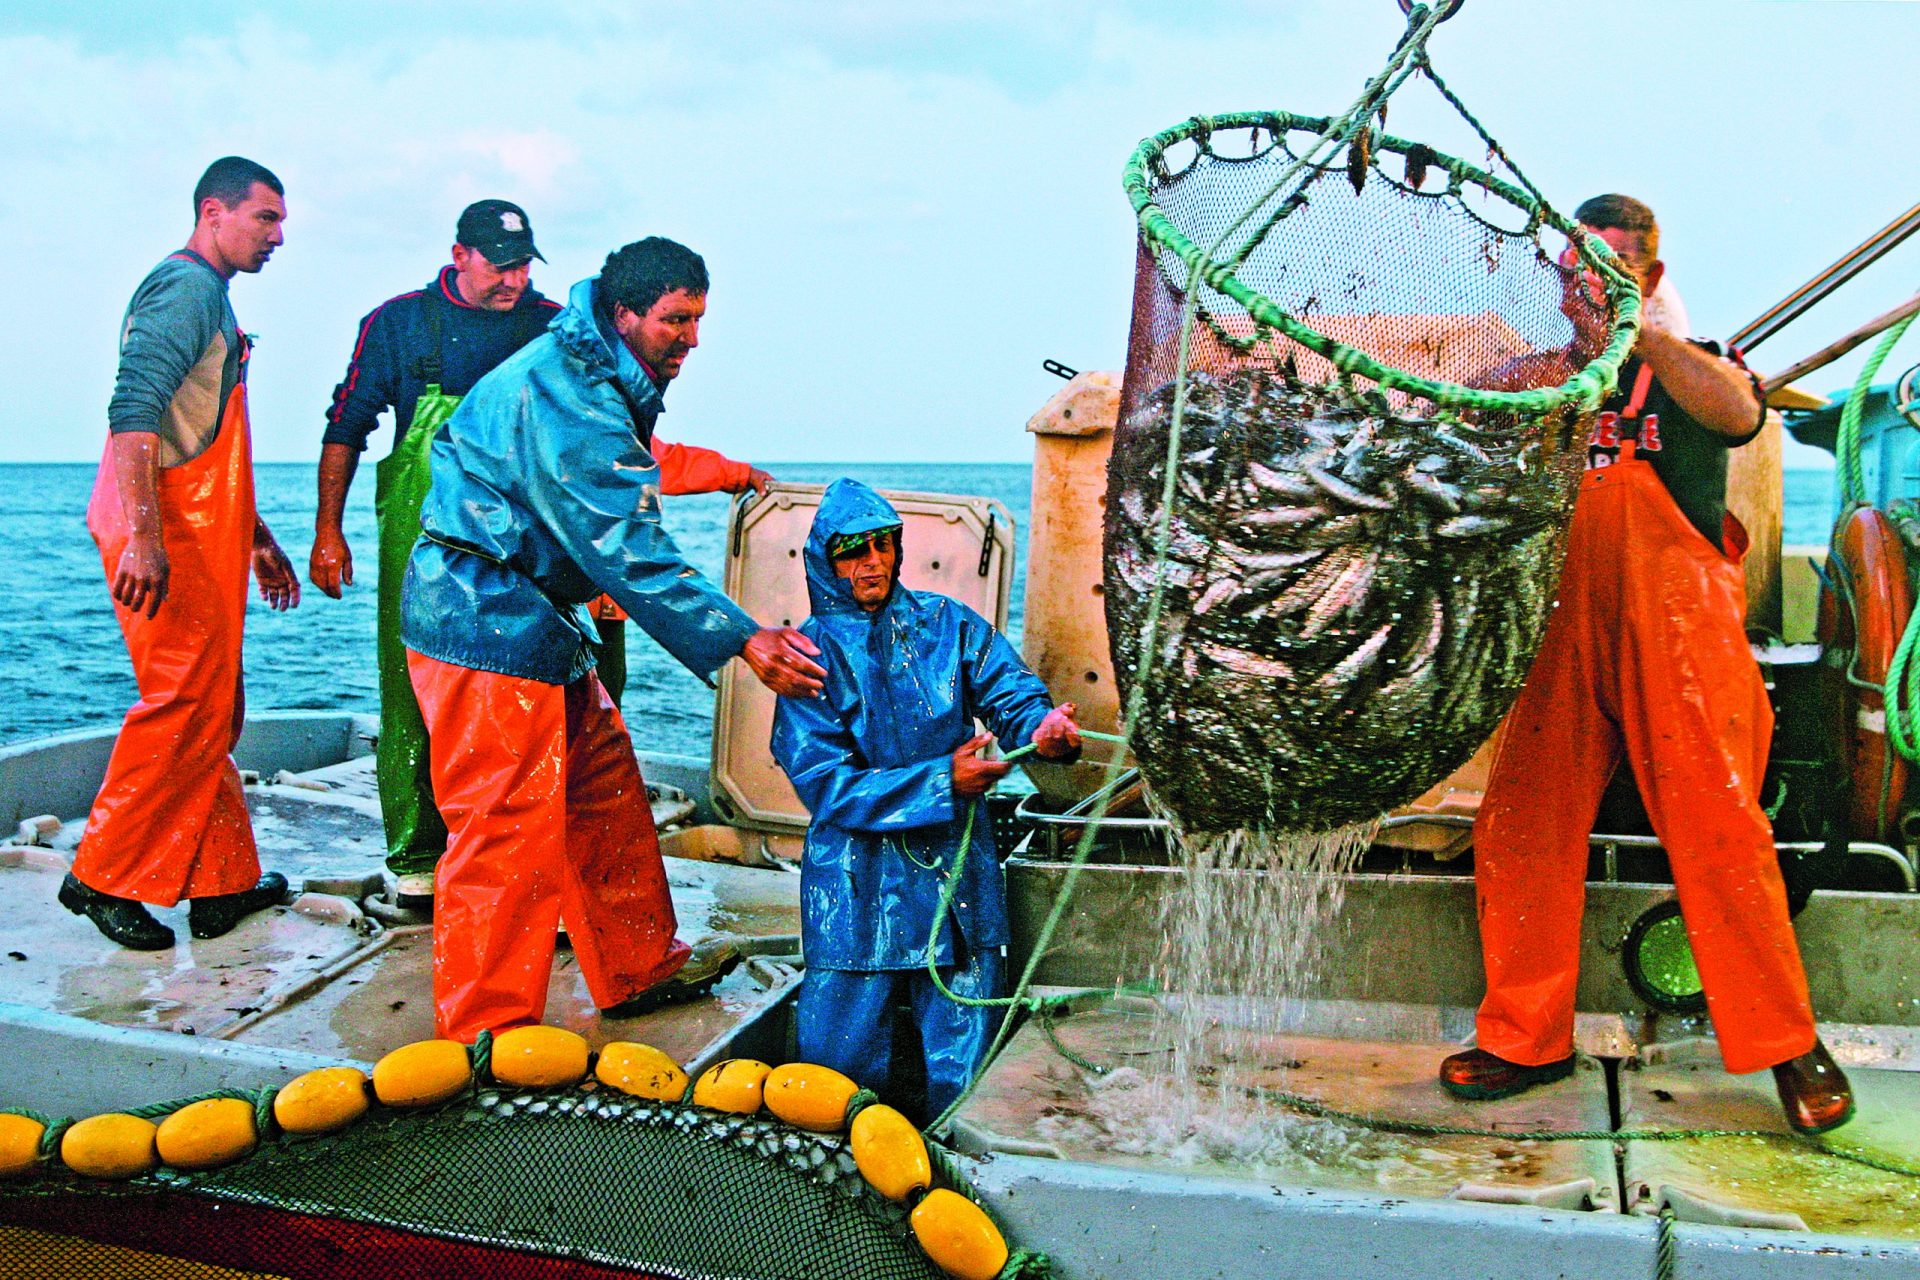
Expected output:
(172, 513)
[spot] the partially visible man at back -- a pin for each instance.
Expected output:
(173, 515)
(1645, 656)
(415, 356)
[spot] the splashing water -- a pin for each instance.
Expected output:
(1241, 943)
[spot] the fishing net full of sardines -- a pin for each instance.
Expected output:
(1352, 429)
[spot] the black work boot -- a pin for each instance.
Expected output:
(121, 919)
(712, 960)
(211, 917)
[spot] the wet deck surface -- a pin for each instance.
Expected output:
(387, 1001)
(1778, 1181)
(323, 977)
(1034, 1101)
(58, 961)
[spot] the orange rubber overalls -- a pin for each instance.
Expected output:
(1647, 653)
(547, 818)
(170, 821)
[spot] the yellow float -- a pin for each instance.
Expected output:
(734, 1085)
(539, 1058)
(322, 1101)
(640, 1071)
(207, 1134)
(19, 1144)
(809, 1096)
(890, 1152)
(422, 1073)
(959, 1236)
(111, 1146)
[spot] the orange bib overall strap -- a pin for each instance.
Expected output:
(170, 821)
(1647, 656)
(547, 820)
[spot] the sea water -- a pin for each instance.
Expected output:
(63, 665)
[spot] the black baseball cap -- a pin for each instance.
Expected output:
(499, 230)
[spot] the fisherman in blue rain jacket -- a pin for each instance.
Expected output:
(887, 763)
(545, 494)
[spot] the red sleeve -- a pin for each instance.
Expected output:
(686, 468)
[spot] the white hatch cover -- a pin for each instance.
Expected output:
(958, 546)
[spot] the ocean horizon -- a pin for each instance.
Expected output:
(65, 667)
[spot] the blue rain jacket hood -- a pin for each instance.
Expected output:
(545, 494)
(872, 759)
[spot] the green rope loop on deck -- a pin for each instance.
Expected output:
(1419, 1128)
(1045, 1017)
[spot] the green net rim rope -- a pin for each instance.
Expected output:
(1584, 390)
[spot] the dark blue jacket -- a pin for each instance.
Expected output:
(544, 496)
(873, 759)
(391, 355)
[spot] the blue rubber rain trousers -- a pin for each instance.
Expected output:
(872, 760)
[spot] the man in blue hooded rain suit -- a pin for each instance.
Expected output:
(887, 763)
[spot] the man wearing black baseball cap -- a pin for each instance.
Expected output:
(416, 355)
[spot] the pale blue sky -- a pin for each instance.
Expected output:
(904, 208)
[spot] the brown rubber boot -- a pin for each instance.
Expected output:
(1479, 1076)
(1814, 1091)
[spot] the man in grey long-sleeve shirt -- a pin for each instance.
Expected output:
(173, 515)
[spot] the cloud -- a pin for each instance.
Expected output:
(905, 207)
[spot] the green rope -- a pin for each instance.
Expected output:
(951, 888)
(1846, 447)
(860, 1101)
(161, 1110)
(50, 1140)
(263, 1122)
(480, 1054)
(946, 1169)
(1901, 692)
(45, 1121)
(1423, 1129)
(1664, 1245)
(1053, 1037)
(1025, 1264)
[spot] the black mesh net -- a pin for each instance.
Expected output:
(1363, 542)
(504, 1184)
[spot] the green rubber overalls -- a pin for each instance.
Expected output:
(416, 834)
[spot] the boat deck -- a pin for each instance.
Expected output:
(1036, 1102)
(334, 973)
